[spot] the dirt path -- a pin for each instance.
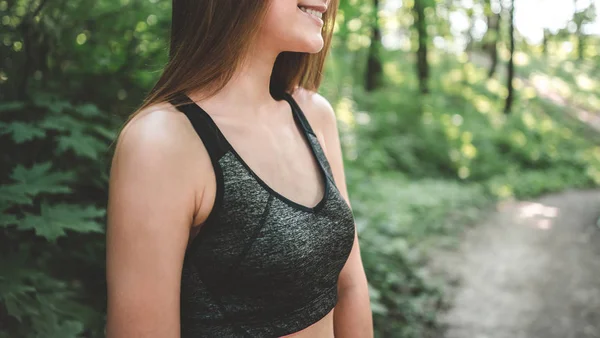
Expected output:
(532, 270)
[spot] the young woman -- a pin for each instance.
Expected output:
(228, 210)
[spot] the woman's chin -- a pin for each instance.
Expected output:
(312, 46)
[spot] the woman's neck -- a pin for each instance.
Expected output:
(249, 87)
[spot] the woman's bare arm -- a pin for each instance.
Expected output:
(152, 195)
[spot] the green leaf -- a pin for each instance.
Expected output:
(61, 123)
(20, 305)
(39, 179)
(110, 134)
(6, 220)
(13, 194)
(54, 220)
(81, 144)
(57, 318)
(8, 106)
(60, 106)
(14, 289)
(88, 110)
(68, 329)
(32, 296)
(21, 132)
(52, 103)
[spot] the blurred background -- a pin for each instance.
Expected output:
(471, 135)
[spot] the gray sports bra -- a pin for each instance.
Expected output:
(261, 265)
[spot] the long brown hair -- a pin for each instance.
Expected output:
(209, 40)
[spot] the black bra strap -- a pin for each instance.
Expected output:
(299, 113)
(205, 127)
(215, 142)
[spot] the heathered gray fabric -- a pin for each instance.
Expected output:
(320, 154)
(264, 266)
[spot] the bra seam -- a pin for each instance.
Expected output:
(249, 245)
(271, 191)
(216, 293)
(215, 210)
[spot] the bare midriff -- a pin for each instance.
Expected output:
(321, 329)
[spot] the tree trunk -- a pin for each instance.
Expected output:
(578, 19)
(374, 68)
(580, 44)
(469, 33)
(493, 22)
(579, 34)
(545, 42)
(422, 64)
(511, 63)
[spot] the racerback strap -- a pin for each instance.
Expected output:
(205, 127)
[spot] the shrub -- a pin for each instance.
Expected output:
(51, 274)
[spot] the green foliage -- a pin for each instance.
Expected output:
(458, 152)
(21, 132)
(47, 214)
(52, 221)
(65, 66)
(459, 132)
(400, 221)
(38, 179)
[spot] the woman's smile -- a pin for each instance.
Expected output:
(314, 12)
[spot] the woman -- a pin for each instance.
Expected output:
(228, 210)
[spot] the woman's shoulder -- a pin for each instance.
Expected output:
(317, 109)
(160, 121)
(157, 127)
(158, 135)
(158, 150)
